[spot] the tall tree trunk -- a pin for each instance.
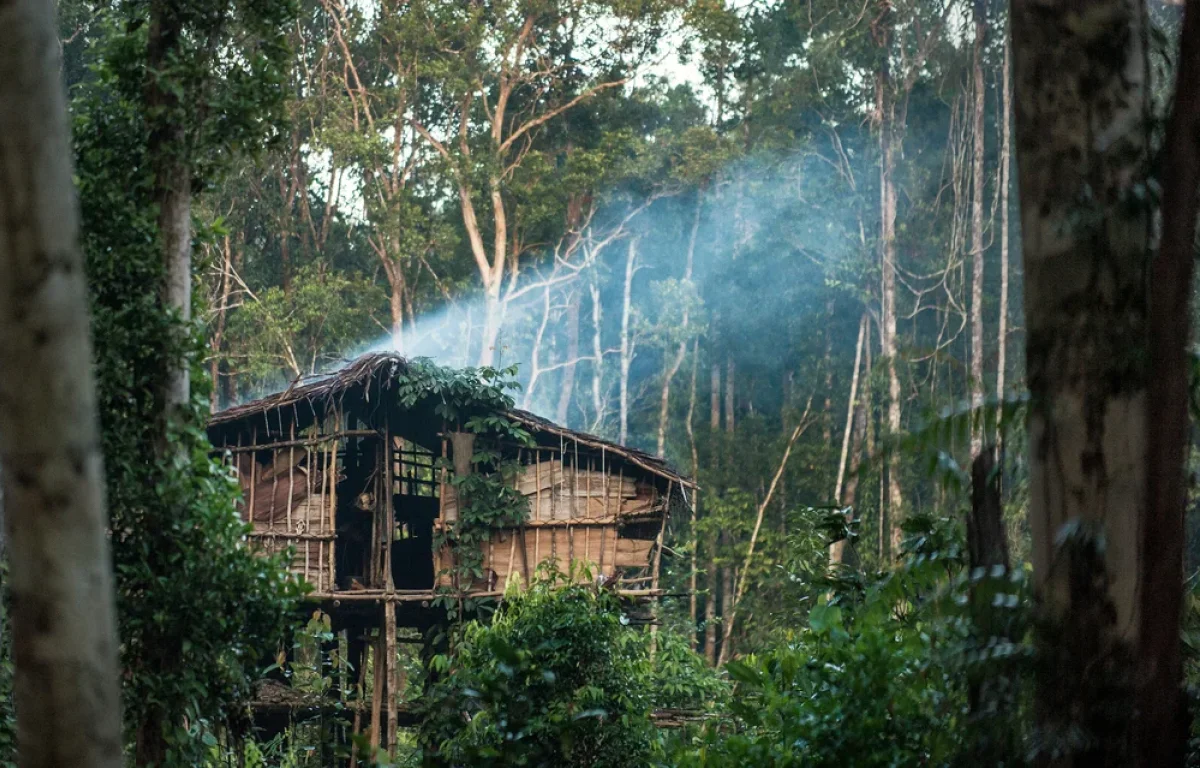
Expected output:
(837, 550)
(888, 295)
(222, 312)
(168, 152)
(977, 191)
(65, 679)
(827, 411)
(681, 352)
(627, 350)
(691, 433)
(597, 356)
(714, 409)
(1082, 94)
(730, 375)
(566, 388)
(712, 584)
(1004, 181)
(862, 439)
(1162, 725)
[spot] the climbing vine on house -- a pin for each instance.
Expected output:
(473, 401)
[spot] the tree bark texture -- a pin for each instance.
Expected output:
(977, 190)
(1162, 726)
(566, 388)
(168, 151)
(1005, 181)
(1081, 94)
(66, 684)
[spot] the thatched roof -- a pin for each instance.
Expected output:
(382, 369)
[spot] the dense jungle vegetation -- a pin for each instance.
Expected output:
(905, 285)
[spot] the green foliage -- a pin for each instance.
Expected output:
(557, 678)
(472, 400)
(302, 332)
(879, 676)
(197, 610)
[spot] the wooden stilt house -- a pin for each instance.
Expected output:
(355, 473)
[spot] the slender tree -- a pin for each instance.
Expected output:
(60, 584)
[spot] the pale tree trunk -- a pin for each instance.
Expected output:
(730, 372)
(827, 411)
(1082, 90)
(712, 581)
(837, 550)
(1162, 725)
(65, 678)
(172, 188)
(222, 312)
(740, 591)
(681, 352)
(862, 439)
(691, 433)
(713, 571)
(1005, 181)
(627, 343)
(535, 352)
(566, 388)
(597, 356)
(888, 310)
(714, 409)
(977, 191)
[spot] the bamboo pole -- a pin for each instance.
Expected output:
(253, 470)
(604, 483)
(391, 664)
(300, 442)
(377, 670)
(537, 506)
(654, 573)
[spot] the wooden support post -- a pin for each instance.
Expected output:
(387, 509)
(537, 507)
(253, 471)
(607, 514)
(391, 664)
(378, 684)
(658, 542)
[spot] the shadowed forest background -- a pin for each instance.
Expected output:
(776, 243)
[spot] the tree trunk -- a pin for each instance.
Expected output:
(862, 439)
(1004, 181)
(888, 309)
(714, 410)
(566, 387)
(65, 680)
(627, 350)
(492, 318)
(1081, 85)
(1162, 725)
(681, 352)
(395, 278)
(837, 550)
(218, 337)
(597, 357)
(168, 152)
(987, 548)
(730, 371)
(710, 600)
(691, 433)
(977, 191)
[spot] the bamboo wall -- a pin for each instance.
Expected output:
(289, 497)
(577, 507)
